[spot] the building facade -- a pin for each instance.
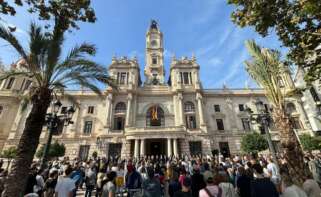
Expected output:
(157, 116)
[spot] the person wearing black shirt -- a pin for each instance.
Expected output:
(186, 188)
(261, 186)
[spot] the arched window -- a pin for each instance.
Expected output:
(290, 108)
(280, 81)
(189, 107)
(190, 119)
(155, 116)
(120, 108)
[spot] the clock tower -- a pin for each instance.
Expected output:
(154, 58)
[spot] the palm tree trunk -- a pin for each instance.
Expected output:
(16, 182)
(293, 153)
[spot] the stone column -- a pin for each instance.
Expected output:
(129, 102)
(108, 109)
(136, 149)
(180, 109)
(169, 147)
(142, 147)
(175, 147)
(200, 108)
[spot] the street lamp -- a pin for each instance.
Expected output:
(263, 118)
(54, 123)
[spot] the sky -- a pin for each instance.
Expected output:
(200, 27)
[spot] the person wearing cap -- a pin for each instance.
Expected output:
(186, 188)
(212, 189)
(198, 182)
(151, 186)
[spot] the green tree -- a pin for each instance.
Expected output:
(297, 23)
(253, 143)
(264, 67)
(52, 72)
(9, 154)
(310, 143)
(68, 12)
(55, 150)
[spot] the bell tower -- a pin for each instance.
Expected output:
(154, 57)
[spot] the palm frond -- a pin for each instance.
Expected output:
(14, 73)
(265, 67)
(6, 35)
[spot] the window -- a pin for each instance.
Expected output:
(267, 108)
(10, 83)
(83, 152)
(296, 123)
(119, 123)
(246, 124)
(219, 123)
(122, 78)
(189, 107)
(190, 121)
(186, 78)
(120, 108)
(88, 127)
(280, 82)
(114, 150)
(241, 107)
(1, 109)
(91, 109)
(290, 108)
(155, 116)
(217, 108)
(154, 60)
(27, 85)
(63, 110)
(314, 95)
(195, 148)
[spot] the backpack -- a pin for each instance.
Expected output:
(210, 195)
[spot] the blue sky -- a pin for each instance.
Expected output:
(202, 27)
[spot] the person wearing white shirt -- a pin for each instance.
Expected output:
(65, 186)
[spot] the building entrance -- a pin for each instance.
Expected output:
(155, 147)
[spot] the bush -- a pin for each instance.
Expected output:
(253, 143)
(56, 150)
(310, 143)
(9, 153)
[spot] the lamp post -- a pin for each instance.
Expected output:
(263, 118)
(54, 122)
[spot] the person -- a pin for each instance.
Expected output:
(198, 182)
(151, 186)
(31, 180)
(90, 180)
(65, 185)
(50, 184)
(133, 180)
(243, 183)
(100, 178)
(38, 187)
(226, 186)
(109, 187)
(290, 189)
(212, 189)
(273, 171)
(186, 188)
(262, 186)
(311, 187)
(174, 185)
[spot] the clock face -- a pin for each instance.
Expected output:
(153, 43)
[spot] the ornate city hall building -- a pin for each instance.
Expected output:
(157, 116)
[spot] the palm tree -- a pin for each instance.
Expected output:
(265, 67)
(52, 74)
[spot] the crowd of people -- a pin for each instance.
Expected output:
(156, 176)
